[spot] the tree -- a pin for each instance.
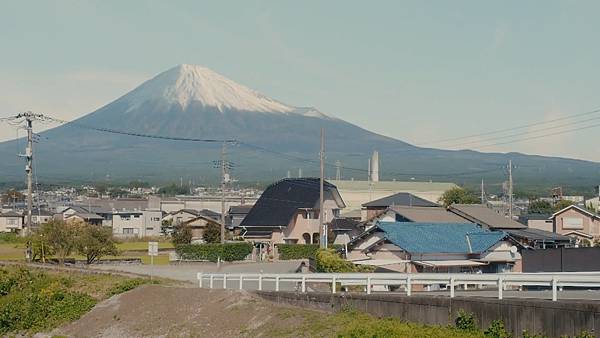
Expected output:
(94, 242)
(60, 238)
(12, 196)
(458, 196)
(540, 207)
(212, 234)
(182, 234)
(562, 204)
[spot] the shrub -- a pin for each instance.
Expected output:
(297, 251)
(211, 252)
(328, 260)
(10, 237)
(465, 321)
(35, 301)
(497, 330)
(212, 234)
(182, 234)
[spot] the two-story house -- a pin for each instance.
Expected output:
(577, 222)
(288, 212)
(11, 221)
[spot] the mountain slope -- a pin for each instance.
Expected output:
(195, 102)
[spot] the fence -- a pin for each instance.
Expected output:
(561, 260)
(555, 281)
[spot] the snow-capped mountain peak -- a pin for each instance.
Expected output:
(185, 84)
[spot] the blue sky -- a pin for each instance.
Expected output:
(419, 71)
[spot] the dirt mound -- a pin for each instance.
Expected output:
(163, 311)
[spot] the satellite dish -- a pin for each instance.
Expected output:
(513, 249)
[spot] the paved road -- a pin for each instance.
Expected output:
(187, 271)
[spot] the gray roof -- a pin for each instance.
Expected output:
(401, 198)
(484, 216)
(533, 234)
(10, 214)
(427, 214)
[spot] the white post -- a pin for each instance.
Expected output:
(260, 282)
(554, 289)
(452, 287)
(200, 277)
(277, 283)
(369, 285)
(333, 284)
(303, 284)
(224, 281)
(500, 287)
(241, 282)
(211, 280)
(408, 286)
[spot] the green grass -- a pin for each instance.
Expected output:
(352, 324)
(142, 246)
(34, 300)
(16, 252)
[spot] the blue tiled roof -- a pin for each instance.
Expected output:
(439, 237)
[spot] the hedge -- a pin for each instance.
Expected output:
(211, 252)
(297, 251)
(328, 260)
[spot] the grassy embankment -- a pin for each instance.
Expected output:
(33, 300)
(12, 248)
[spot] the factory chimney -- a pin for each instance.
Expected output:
(375, 167)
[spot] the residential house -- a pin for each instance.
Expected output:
(376, 207)
(198, 226)
(185, 215)
(434, 247)
(577, 222)
(236, 215)
(40, 216)
(537, 221)
(492, 220)
(419, 214)
(11, 221)
(136, 223)
(345, 229)
(79, 214)
(288, 212)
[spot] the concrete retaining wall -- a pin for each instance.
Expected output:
(534, 315)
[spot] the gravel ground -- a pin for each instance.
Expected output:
(163, 311)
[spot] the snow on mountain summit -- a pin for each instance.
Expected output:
(185, 84)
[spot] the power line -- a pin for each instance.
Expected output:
(492, 132)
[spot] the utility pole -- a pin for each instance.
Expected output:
(510, 190)
(29, 171)
(321, 211)
(223, 179)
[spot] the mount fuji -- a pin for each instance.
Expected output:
(190, 101)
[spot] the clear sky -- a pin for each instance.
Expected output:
(419, 71)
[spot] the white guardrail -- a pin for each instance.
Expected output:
(555, 281)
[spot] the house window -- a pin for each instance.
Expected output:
(290, 241)
(150, 229)
(128, 231)
(125, 218)
(11, 221)
(155, 219)
(136, 216)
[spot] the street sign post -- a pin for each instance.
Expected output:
(152, 251)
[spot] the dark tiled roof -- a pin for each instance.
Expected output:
(346, 225)
(537, 235)
(204, 212)
(280, 201)
(484, 216)
(402, 198)
(239, 209)
(440, 237)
